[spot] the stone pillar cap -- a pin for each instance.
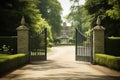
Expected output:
(98, 28)
(22, 27)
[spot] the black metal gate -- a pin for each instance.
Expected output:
(83, 47)
(38, 46)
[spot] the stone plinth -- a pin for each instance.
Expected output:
(98, 39)
(23, 39)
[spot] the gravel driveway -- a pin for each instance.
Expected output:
(61, 65)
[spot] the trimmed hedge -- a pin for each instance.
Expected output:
(112, 46)
(108, 60)
(10, 62)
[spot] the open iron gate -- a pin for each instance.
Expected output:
(38, 46)
(83, 47)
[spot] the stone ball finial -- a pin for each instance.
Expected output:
(98, 22)
(23, 21)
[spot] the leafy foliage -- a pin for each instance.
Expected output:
(79, 17)
(108, 10)
(11, 14)
(114, 12)
(109, 13)
(51, 10)
(12, 11)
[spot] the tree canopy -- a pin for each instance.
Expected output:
(11, 12)
(108, 10)
(114, 12)
(79, 17)
(51, 11)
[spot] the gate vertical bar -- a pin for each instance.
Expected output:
(29, 45)
(45, 43)
(91, 40)
(76, 44)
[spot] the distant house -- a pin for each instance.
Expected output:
(66, 33)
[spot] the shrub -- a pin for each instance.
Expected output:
(10, 42)
(57, 41)
(50, 45)
(10, 62)
(108, 60)
(71, 41)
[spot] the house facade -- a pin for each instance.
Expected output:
(66, 33)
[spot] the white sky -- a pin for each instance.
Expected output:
(66, 6)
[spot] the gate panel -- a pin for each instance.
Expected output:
(83, 47)
(38, 46)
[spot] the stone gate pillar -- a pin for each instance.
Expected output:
(23, 38)
(98, 37)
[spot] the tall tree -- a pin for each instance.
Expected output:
(51, 11)
(109, 12)
(11, 12)
(79, 16)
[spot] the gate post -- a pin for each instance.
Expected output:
(23, 38)
(98, 38)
